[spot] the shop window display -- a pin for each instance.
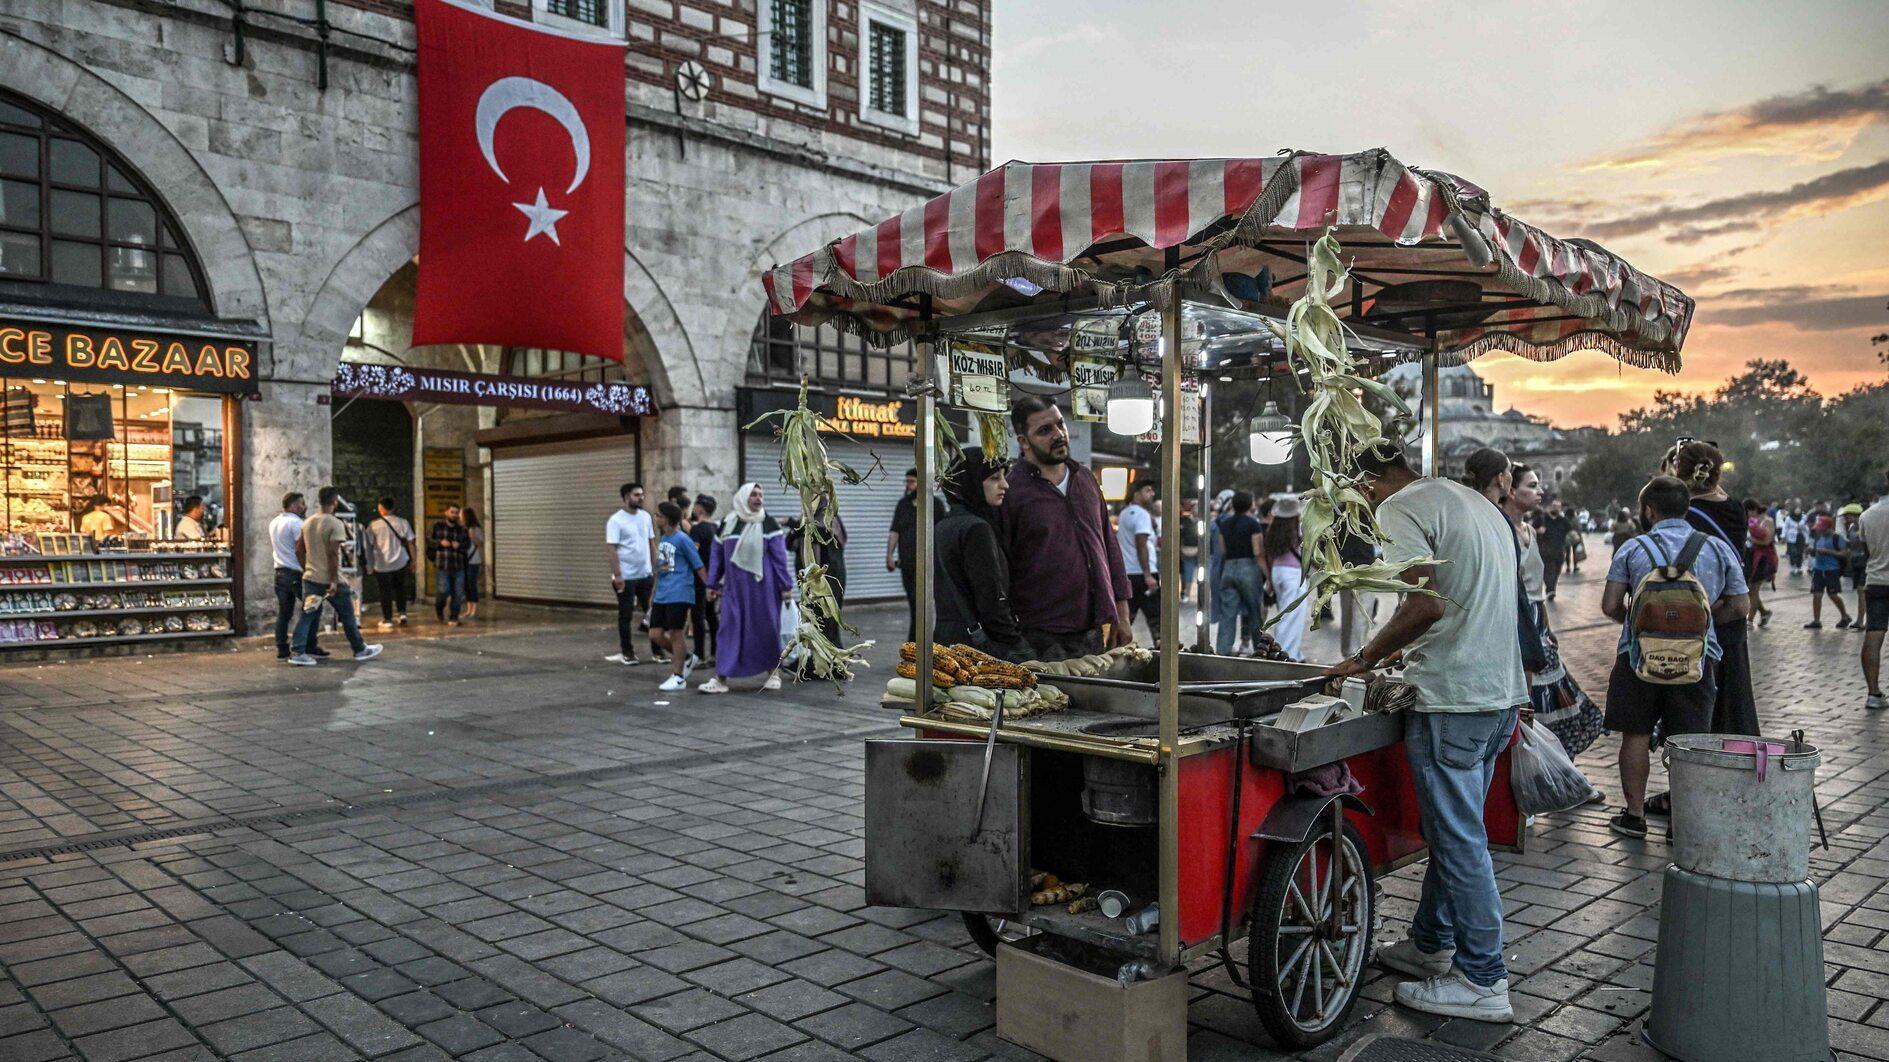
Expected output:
(97, 477)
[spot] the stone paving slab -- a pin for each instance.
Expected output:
(498, 847)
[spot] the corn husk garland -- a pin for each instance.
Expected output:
(1336, 429)
(809, 469)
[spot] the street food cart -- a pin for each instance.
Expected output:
(1167, 780)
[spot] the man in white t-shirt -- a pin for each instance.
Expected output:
(1873, 526)
(1135, 533)
(190, 524)
(391, 537)
(1462, 653)
(285, 542)
(631, 536)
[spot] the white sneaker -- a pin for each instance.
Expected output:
(384, 625)
(401, 619)
(714, 685)
(689, 665)
(616, 658)
(1876, 702)
(1405, 957)
(673, 683)
(368, 652)
(1456, 996)
(773, 681)
(301, 660)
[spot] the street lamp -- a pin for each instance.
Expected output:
(1269, 436)
(1130, 405)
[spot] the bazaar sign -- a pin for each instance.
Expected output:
(401, 383)
(114, 355)
(861, 418)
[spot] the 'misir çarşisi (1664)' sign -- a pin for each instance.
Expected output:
(122, 355)
(400, 383)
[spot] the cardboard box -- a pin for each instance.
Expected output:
(1072, 1015)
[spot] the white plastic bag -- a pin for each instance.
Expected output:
(790, 625)
(1543, 777)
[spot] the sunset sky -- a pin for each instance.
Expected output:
(1739, 150)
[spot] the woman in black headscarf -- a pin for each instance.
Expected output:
(972, 573)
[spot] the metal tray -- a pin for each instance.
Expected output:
(1293, 752)
(1133, 689)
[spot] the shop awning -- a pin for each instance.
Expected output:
(1432, 256)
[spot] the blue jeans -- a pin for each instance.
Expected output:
(343, 601)
(288, 598)
(448, 586)
(1452, 761)
(1241, 598)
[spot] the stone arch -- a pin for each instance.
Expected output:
(352, 282)
(56, 82)
(798, 239)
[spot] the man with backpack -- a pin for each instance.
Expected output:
(1667, 587)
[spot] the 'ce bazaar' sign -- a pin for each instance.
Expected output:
(98, 355)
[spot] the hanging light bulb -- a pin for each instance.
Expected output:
(1130, 405)
(1270, 436)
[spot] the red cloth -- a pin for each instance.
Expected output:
(521, 184)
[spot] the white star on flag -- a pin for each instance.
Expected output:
(543, 218)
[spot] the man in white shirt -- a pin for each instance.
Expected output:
(1134, 532)
(190, 524)
(392, 540)
(631, 537)
(1873, 525)
(1463, 654)
(285, 541)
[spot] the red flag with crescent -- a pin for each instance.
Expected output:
(521, 184)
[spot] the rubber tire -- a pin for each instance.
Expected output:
(983, 934)
(1261, 944)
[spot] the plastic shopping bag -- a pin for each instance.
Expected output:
(1543, 777)
(790, 626)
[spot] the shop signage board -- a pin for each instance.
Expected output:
(1090, 377)
(1190, 414)
(861, 418)
(978, 376)
(400, 383)
(126, 355)
(443, 472)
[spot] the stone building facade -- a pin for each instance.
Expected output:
(285, 146)
(1470, 420)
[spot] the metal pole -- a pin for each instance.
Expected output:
(1203, 513)
(1433, 417)
(1170, 634)
(925, 457)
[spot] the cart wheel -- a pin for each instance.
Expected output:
(1306, 964)
(987, 930)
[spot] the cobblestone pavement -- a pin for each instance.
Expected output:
(495, 846)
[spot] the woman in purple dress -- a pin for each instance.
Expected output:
(749, 573)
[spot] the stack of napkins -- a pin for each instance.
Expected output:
(1311, 712)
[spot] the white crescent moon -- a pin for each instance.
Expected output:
(509, 92)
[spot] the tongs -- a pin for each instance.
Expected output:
(990, 751)
(1253, 685)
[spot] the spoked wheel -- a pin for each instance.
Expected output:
(1311, 936)
(987, 930)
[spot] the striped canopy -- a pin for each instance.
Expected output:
(1430, 255)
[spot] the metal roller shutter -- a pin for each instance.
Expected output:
(549, 506)
(866, 508)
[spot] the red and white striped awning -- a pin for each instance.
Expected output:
(1123, 230)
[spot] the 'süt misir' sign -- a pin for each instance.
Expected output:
(94, 355)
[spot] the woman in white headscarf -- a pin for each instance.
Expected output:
(749, 572)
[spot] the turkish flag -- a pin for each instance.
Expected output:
(521, 184)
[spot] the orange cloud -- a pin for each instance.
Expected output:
(1817, 124)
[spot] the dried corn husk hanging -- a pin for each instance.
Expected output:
(1336, 428)
(809, 469)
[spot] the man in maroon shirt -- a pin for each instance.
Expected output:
(1066, 576)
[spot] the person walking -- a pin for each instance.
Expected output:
(1793, 531)
(1067, 582)
(1761, 533)
(1242, 588)
(1488, 473)
(1135, 537)
(972, 575)
(1556, 698)
(285, 543)
(630, 536)
(1858, 561)
(1700, 466)
(322, 537)
(447, 545)
(706, 616)
(1555, 527)
(749, 573)
(677, 571)
(1190, 552)
(901, 546)
(1829, 555)
(1286, 575)
(1873, 527)
(1462, 656)
(475, 560)
(390, 538)
(1623, 530)
(1636, 707)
